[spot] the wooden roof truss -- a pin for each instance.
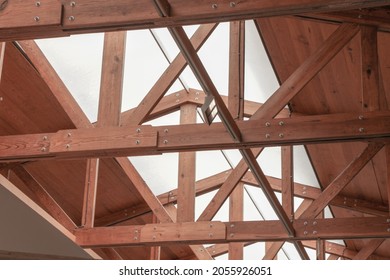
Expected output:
(153, 222)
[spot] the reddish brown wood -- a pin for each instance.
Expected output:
(187, 173)
(110, 100)
(342, 180)
(236, 213)
(155, 251)
(388, 173)
(288, 181)
(90, 190)
(306, 71)
(368, 249)
(370, 69)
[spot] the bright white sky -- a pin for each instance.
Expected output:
(77, 59)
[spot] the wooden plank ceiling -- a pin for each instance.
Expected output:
(334, 65)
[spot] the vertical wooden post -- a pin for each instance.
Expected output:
(236, 108)
(2, 52)
(155, 251)
(236, 213)
(110, 101)
(270, 246)
(90, 190)
(187, 172)
(387, 149)
(288, 180)
(370, 68)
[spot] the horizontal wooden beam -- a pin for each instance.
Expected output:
(29, 20)
(144, 140)
(218, 232)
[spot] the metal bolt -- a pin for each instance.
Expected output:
(155, 228)
(305, 223)
(69, 134)
(136, 231)
(197, 93)
(305, 232)
(388, 220)
(361, 129)
(281, 135)
(232, 235)
(44, 138)
(361, 117)
(314, 232)
(196, 98)
(138, 130)
(267, 136)
(267, 124)
(211, 225)
(36, 18)
(304, 193)
(1, 98)
(210, 235)
(214, 252)
(232, 4)
(281, 123)
(388, 230)
(314, 223)
(154, 237)
(136, 238)
(72, 4)
(360, 16)
(177, 94)
(166, 130)
(137, 142)
(67, 146)
(38, 4)
(177, 100)
(43, 149)
(232, 225)
(71, 18)
(165, 142)
(214, 6)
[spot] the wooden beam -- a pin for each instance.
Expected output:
(111, 82)
(236, 213)
(368, 249)
(90, 190)
(146, 140)
(236, 69)
(342, 180)
(288, 181)
(218, 232)
(187, 173)
(167, 79)
(307, 71)
(370, 69)
(155, 251)
(2, 52)
(388, 174)
(54, 19)
(333, 258)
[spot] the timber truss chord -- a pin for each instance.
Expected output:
(165, 226)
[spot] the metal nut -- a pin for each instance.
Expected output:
(281, 123)
(72, 4)
(361, 129)
(267, 124)
(138, 130)
(36, 18)
(137, 142)
(232, 4)
(71, 18)
(214, 6)
(165, 142)
(281, 135)
(37, 4)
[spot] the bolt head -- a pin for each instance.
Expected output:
(36, 18)
(72, 4)
(165, 142)
(44, 138)
(314, 232)
(281, 123)
(388, 230)
(314, 223)
(214, 6)
(361, 117)
(71, 18)
(267, 124)
(305, 223)
(361, 129)
(138, 130)
(268, 136)
(68, 146)
(137, 142)
(232, 4)
(43, 149)
(281, 135)
(305, 232)
(37, 4)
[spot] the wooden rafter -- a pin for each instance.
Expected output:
(62, 19)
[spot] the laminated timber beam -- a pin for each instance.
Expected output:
(27, 19)
(219, 232)
(145, 140)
